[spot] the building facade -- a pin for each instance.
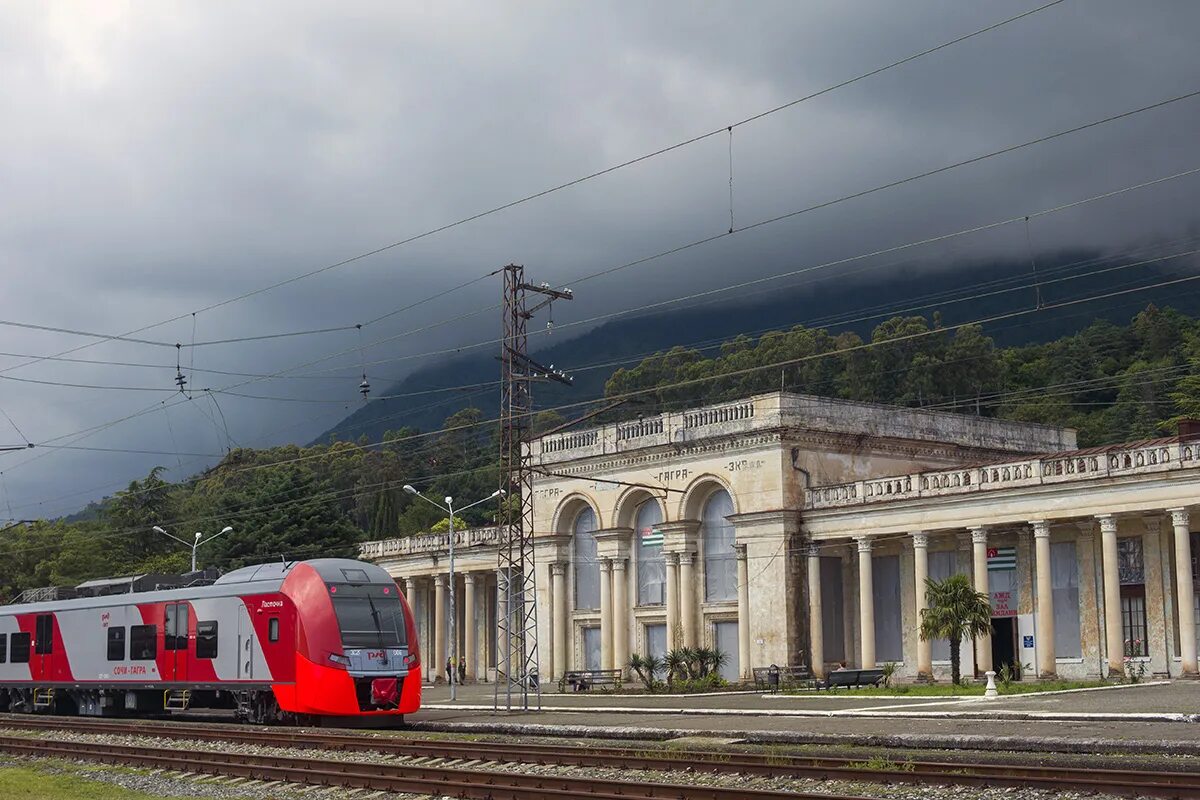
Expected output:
(790, 529)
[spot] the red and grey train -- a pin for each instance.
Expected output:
(297, 641)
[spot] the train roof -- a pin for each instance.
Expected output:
(256, 579)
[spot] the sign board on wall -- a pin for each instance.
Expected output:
(1002, 580)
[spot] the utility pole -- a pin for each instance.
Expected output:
(516, 617)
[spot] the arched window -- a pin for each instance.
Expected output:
(720, 562)
(587, 565)
(651, 567)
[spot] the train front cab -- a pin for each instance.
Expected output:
(357, 651)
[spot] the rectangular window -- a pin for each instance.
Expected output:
(19, 648)
(43, 642)
(3, 647)
(273, 629)
(832, 610)
(116, 644)
(889, 642)
(175, 629)
(143, 642)
(591, 648)
(725, 637)
(206, 639)
(1064, 584)
(1133, 621)
(656, 641)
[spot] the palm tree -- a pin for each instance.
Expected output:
(646, 668)
(956, 611)
(676, 664)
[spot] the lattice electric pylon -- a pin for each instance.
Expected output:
(516, 639)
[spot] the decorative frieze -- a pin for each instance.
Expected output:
(1133, 459)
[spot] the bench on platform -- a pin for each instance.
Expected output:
(773, 678)
(581, 680)
(851, 678)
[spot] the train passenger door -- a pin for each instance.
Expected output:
(245, 652)
(175, 640)
(43, 648)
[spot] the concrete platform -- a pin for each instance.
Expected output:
(1140, 718)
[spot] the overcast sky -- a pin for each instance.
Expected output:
(156, 158)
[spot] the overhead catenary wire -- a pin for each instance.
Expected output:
(305, 421)
(400, 440)
(976, 159)
(562, 186)
(787, 274)
(897, 248)
(938, 303)
(761, 367)
(789, 215)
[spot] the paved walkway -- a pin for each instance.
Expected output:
(1152, 717)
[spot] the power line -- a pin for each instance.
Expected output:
(975, 159)
(96, 429)
(559, 187)
(790, 273)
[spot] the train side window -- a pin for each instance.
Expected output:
(206, 639)
(273, 629)
(116, 644)
(3, 647)
(43, 642)
(175, 629)
(143, 642)
(19, 648)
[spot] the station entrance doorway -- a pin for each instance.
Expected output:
(1004, 645)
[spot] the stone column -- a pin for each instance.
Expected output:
(606, 614)
(410, 592)
(687, 599)
(620, 615)
(672, 565)
(439, 625)
(816, 622)
(1113, 636)
(920, 573)
(743, 600)
(1047, 667)
(558, 643)
(866, 603)
(470, 649)
(983, 644)
(1184, 591)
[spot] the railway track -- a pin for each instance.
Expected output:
(387, 776)
(1165, 784)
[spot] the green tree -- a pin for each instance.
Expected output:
(443, 525)
(955, 611)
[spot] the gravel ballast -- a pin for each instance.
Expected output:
(205, 786)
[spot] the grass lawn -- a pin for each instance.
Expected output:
(973, 689)
(32, 783)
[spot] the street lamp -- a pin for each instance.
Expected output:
(195, 543)
(449, 509)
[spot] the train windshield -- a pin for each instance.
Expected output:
(369, 615)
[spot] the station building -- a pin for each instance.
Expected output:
(797, 530)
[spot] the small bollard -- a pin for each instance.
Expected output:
(990, 692)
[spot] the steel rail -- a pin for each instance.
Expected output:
(1165, 783)
(390, 776)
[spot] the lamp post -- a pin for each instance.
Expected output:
(195, 543)
(449, 509)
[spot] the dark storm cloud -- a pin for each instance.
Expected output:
(159, 158)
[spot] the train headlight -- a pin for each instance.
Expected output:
(339, 659)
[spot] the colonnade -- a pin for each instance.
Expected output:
(1042, 588)
(467, 626)
(681, 609)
